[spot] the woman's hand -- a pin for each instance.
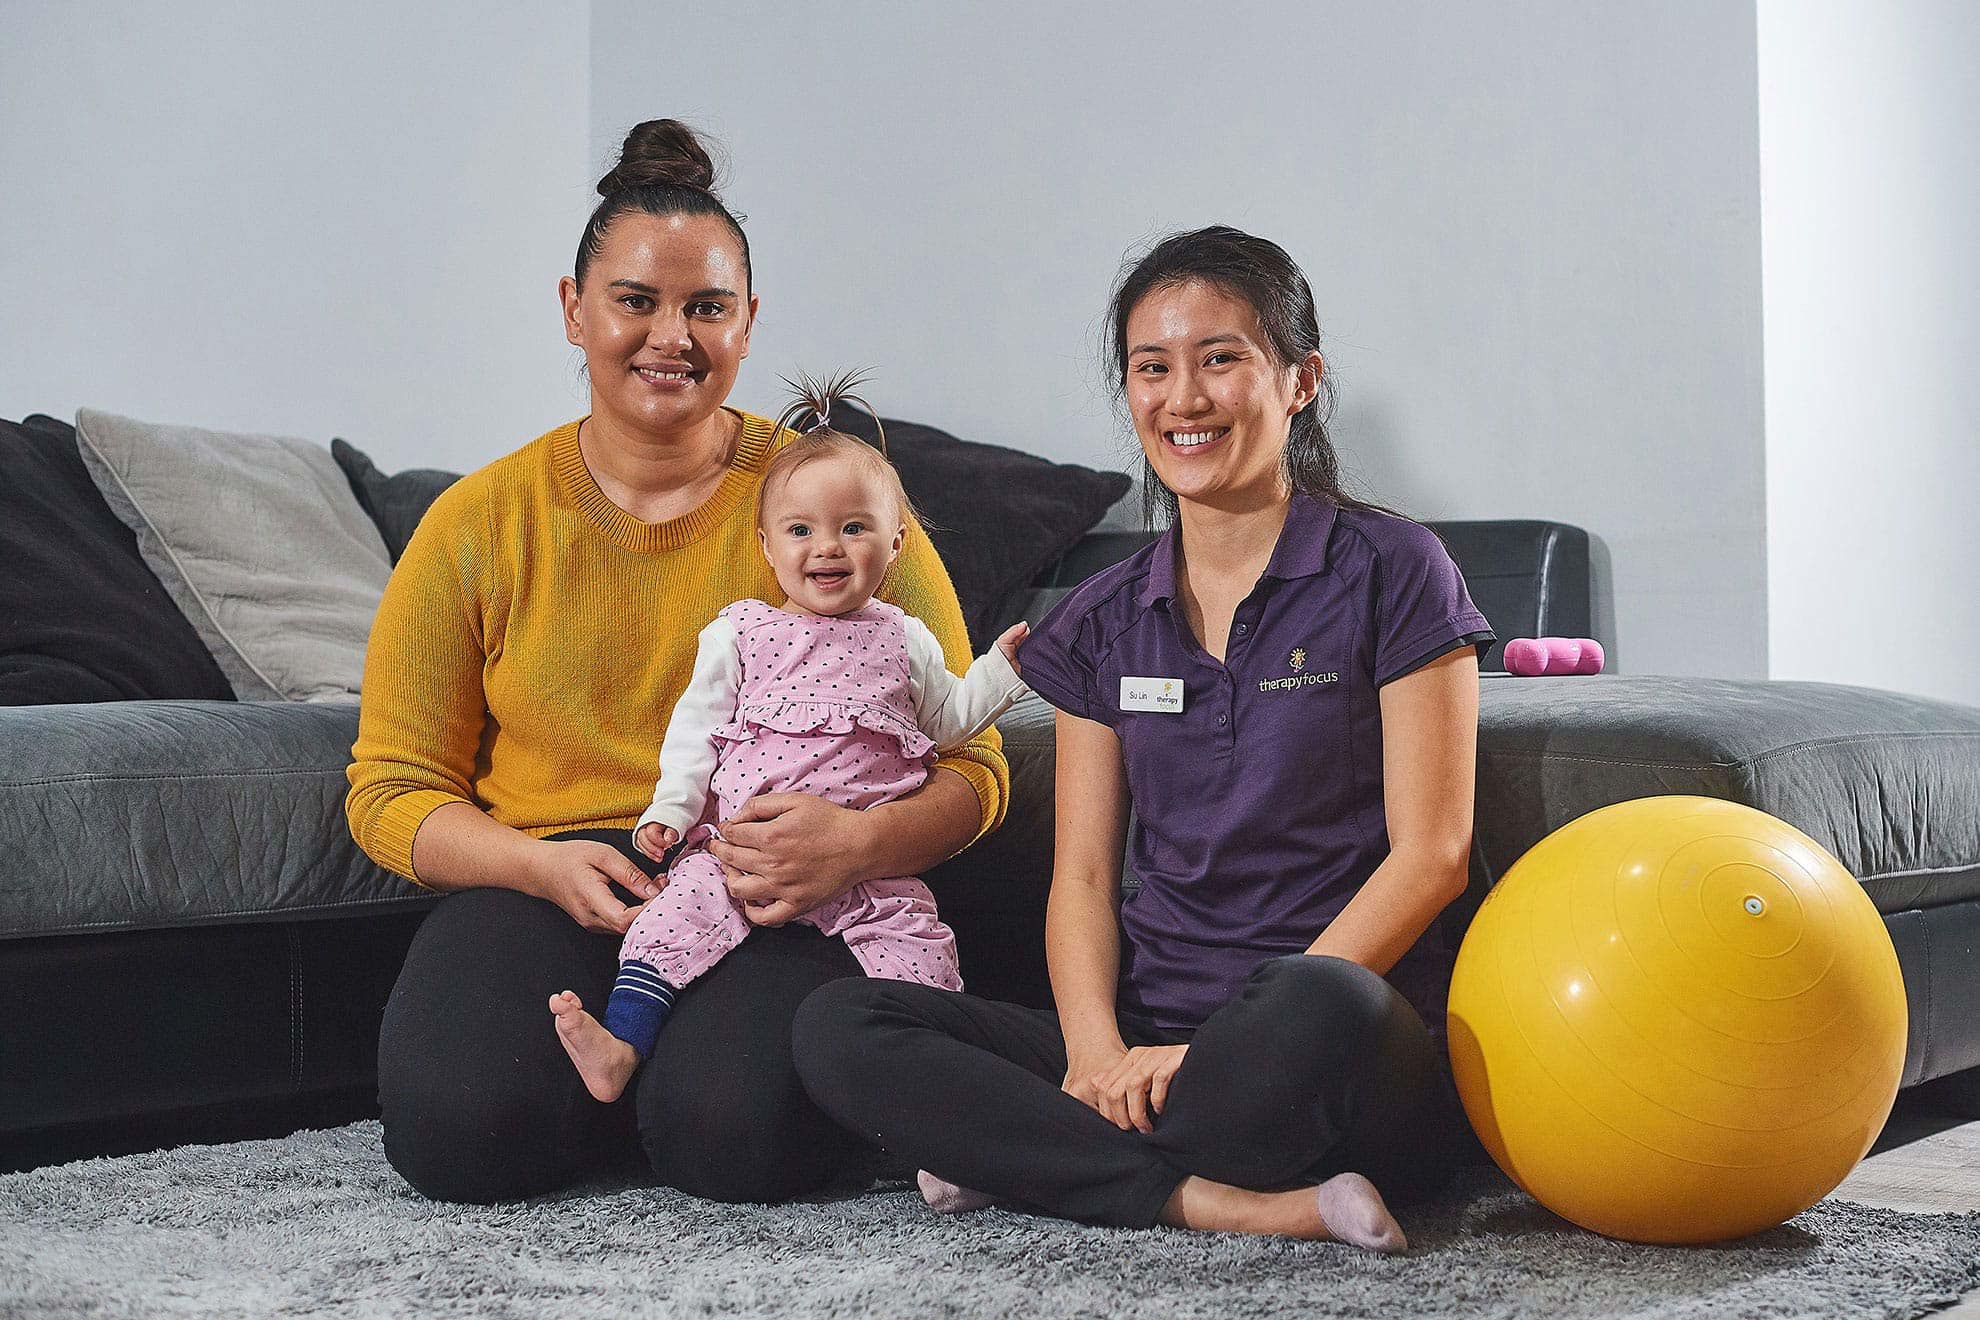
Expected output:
(786, 853)
(577, 875)
(1138, 1087)
(1087, 1069)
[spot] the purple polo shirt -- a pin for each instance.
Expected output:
(1258, 806)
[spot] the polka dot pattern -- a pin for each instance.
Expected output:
(825, 707)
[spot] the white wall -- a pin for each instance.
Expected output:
(1532, 229)
(1870, 183)
(343, 219)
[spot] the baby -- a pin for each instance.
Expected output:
(832, 693)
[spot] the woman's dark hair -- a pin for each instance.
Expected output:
(1260, 272)
(663, 169)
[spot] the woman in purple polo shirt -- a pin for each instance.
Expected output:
(1283, 688)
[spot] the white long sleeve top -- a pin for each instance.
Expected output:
(948, 709)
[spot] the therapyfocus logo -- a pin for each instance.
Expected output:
(1300, 679)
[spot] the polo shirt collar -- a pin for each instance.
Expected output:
(1301, 550)
(1161, 583)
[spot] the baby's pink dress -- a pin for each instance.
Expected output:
(824, 707)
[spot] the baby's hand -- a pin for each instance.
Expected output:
(1012, 639)
(654, 839)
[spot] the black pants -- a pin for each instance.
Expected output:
(1318, 1067)
(482, 1104)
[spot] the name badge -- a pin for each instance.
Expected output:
(1162, 695)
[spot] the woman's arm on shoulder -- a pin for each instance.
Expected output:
(1429, 765)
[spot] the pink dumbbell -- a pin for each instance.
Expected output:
(1530, 657)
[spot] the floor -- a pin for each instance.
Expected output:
(1926, 1160)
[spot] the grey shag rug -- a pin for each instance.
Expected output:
(318, 1224)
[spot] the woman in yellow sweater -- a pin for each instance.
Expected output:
(533, 640)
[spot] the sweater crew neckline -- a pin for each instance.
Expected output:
(575, 483)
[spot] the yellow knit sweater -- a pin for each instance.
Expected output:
(534, 638)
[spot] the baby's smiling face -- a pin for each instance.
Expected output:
(830, 530)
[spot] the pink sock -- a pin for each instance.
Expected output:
(1354, 1213)
(945, 1198)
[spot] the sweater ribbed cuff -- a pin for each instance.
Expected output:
(397, 824)
(992, 789)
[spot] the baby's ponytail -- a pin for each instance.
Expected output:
(814, 399)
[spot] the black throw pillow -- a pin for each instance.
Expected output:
(999, 517)
(81, 616)
(396, 502)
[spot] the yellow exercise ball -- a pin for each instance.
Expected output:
(1677, 1020)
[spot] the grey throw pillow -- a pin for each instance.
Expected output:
(259, 542)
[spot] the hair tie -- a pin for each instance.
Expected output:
(817, 397)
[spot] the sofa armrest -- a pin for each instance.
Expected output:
(1884, 781)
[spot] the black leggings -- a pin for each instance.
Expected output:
(482, 1104)
(1318, 1067)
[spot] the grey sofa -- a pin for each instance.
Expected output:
(212, 952)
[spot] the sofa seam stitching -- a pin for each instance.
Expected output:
(1855, 739)
(1842, 740)
(1927, 870)
(88, 777)
(1608, 760)
(139, 923)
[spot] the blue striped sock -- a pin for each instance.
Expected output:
(638, 1007)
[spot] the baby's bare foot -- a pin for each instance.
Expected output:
(946, 1198)
(1354, 1212)
(605, 1062)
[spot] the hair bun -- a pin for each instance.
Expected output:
(662, 152)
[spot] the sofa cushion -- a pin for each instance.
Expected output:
(81, 617)
(260, 542)
(147, 814)
(1888, 783)
(999, 517)
(183, 813)
(396, 501)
